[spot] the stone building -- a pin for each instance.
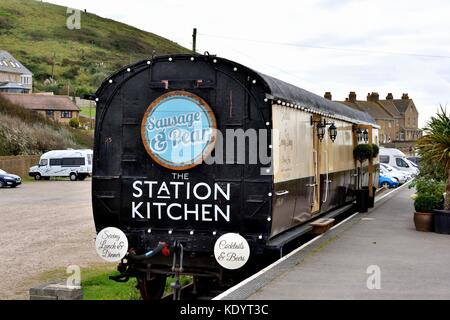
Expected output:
(58, 108)
(398, 118)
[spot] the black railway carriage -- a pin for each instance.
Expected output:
(139, 188)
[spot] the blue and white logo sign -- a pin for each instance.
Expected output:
(178, 130)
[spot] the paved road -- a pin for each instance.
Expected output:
(44, 225)
(413, 265)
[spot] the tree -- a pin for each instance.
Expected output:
(434, 147)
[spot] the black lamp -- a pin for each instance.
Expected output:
(359, 134)
(366, 135)
(321, 126)
(320, 130)
(332, 130)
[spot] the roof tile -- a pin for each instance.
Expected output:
(11, 65)
(42, 102)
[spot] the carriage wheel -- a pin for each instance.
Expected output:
(152, 289)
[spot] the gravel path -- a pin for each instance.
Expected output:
(44, 225)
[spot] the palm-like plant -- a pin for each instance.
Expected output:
(434, 146)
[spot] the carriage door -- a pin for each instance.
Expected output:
(316, 158)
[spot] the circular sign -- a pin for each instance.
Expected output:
(111, 244)
(231, 251)
(178, 130)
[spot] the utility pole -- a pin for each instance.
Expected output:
(53, 65)
(194, 40)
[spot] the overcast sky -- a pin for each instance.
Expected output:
(320, 45)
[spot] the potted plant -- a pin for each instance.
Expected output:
(434, 148)
(375, 150)
(429, 187)
(361, 153)
(424, 205)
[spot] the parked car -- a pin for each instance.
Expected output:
(397, 159)
(415, 160)
(387, 182)
(413, 164)
(401, 176)
(385, 173)
(9, 180)
(76, 164)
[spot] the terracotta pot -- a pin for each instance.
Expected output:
(423, 221)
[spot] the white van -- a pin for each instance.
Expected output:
(397, 159)
(76, 164)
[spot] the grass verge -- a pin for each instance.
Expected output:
(87, 111)
(97, 285)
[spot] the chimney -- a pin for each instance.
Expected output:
(389, 96)
(327, 95)
(405, 96)
(374, 96)
(352, 96)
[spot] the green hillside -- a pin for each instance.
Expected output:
(37, 35)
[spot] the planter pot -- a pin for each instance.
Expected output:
(423, 221)
(442, 221)
(362, 200)
(371, 199)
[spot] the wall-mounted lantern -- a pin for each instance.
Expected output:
(321, 128)
(359, 134)
(332, 132)
(366, 135)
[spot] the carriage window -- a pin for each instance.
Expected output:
(401, 163)
(384, 159)
(55, 162)
(43, 162)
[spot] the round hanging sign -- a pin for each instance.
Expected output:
(232, 251)
(179, 130)
(111, 244)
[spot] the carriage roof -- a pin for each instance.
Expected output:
(276, 90)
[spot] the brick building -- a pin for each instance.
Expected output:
(398, 118)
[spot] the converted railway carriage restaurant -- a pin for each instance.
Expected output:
(169, 165)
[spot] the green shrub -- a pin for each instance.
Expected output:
(6, 24)
(434, 147)
(426, 185)
(362, 152)
(375, 150)
(426, 203)
(82, 90)
(74, 123)
(72, 73)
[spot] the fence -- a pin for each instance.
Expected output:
(19, 165)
